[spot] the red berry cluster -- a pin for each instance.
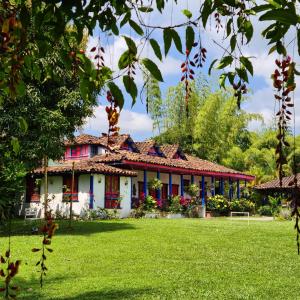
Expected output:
(283, 82)
(99, 57)
(240, 89)
(187, 73)
(48, 230)
(200, 57)
(218, 22)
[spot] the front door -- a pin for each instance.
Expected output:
(112, 191)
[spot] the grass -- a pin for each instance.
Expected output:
(162, 259)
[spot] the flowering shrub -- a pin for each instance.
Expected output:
(193, 190)
(175, 204)
(242, 205)
(155, 184)
(149, 203)
(218, 203)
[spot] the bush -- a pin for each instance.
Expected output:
(175, 204)
(284, 214)
(149, 203)
(265, 210)
(218, 204)
(242, 205)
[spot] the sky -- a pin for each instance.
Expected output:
(135, 120)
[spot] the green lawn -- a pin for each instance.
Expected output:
(163, 259)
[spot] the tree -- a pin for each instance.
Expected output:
(37, 122)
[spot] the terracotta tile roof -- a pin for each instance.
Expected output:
(85, 139)
(144, 147)
(169, 150)
(192, 163)
(287, 182)
(86, 166)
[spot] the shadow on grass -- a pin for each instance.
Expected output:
(78, 227)
(30, 290)
(127, 293)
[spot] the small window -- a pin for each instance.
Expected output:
(94, 150)
(68, 194)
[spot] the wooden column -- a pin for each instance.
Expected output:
(91, 192)
(145, 186)
(212, 186)
(158, 192)
(170, 184)
(203, 191)
(181, 186)
(238, 189)
(222, 186)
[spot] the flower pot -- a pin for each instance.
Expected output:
(151, 215)
(209, 214)
(174, 216)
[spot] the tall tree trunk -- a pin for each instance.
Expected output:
(72, 192)
(45, 186)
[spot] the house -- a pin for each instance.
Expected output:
(119, 175)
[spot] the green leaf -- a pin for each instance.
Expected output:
(125, 59)
(160, 4)
(145, 9)
(248, 30)
(15, 144)
(206, 11)
(125, 19)
(130, 44)
(23, 124)
(177, 40)
(280, 48)
(233, 42)
(247, 64)
(211, 66)
(167, 35)
(225, 61)
(136, 27)
(242, 74)
(189, 37)
(272, 49)
(130, 87)
(187, 13)
(152, 68)
(228, 27)
(284, 16)
(155, 46)
(222, 80)
(117, 94)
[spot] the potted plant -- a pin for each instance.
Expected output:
(155, 184)
(149, 206)
(175, 208)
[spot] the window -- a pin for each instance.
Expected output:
(186, 184)
(175, 189)
(75, 151)
(68, 194)
(112, 191)
(94, 150)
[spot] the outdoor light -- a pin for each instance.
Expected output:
(126, 181)
(99, 180)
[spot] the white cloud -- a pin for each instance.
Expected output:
(131, 122)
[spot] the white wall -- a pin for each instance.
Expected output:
(125, 194)
(83, 194)
(99, 190)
